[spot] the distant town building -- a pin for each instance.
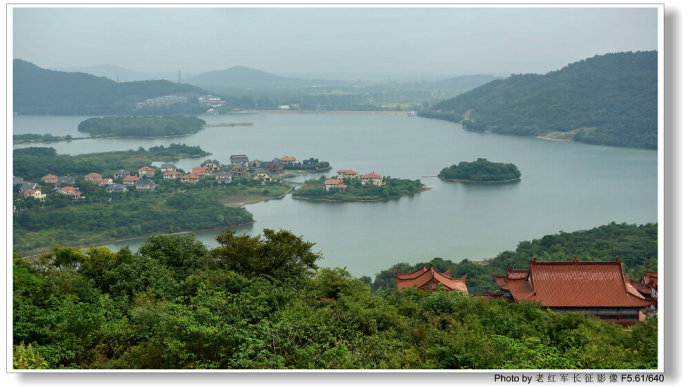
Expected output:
(372, 179)
(334, 184)
(50, 179)
(146, 171)
(167, 167)
(211, 165)
(162, 101)
(222, 176)
(145, 185)
(264, 176)
(210, 100)
(275, 166)
(93, 176)
(130, 180)
(65, 180)
(171, 175)
(190, 178)
(117, 187)
(348, 174)
(242, 160)
(35, 194)
(288, 160)
(120, 174)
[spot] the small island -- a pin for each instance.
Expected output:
(41, 138)
(481, 171)
(141, 126)
(349, 186)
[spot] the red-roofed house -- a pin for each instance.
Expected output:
(429, 278)
(147, 171)
(288, 160)
(199, 171)
(594, 288)
(332, 183)
(190, 178)
(50, 179)
(348, 174)
(130, 180)
(372, 179)
(171, 175)
(70, 191)
(92, 176)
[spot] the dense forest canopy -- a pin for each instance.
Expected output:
(262, 302)
(41, 91)
(141, 126)
(608, 99)
(481, 170)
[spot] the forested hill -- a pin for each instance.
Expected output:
(608, 99)
(42, 91)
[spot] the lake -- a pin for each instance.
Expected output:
(565, 186)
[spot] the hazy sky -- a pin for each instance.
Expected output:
(336, 43)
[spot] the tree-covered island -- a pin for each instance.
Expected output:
(365, 188)
(481, 171)
(141, 126)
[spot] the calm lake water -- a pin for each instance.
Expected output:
(565, 186)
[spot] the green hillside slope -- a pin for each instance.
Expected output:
(609, 99)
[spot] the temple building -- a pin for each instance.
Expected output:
(429, 278)
(648, 286)
(594, 288)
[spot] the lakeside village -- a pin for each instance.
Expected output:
(599, 289)
(239, 167)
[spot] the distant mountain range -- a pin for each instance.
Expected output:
(40, 91)
(240, 79)
(608, 99)
(114, 72)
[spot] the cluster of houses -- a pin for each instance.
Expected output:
(598, 289)
(369, 179)
(162, 101)
(122, 180)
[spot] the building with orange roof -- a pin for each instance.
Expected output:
(146, 171)
(332, 183)
(429, 278)
(372, 179)
(594, 288)
(130, 180)
(171, 175)
(92, 176)
(190, 178)
(199, 171)
(50, 179)
(288, 160)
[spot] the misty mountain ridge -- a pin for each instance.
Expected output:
(41, 91)
(114, 71)
(608, 99)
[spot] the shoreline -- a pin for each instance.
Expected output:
(361, 200)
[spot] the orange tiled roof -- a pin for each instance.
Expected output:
(574, 284)
(343, 186)
(93, 175)
(130, 178)
(47, 177)
(168, 173)
(347, 172)
(190, 176)
(287, 158)
(371, 176)
(333, 182)
(424, 277)
(517, 273)
(146, 169)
